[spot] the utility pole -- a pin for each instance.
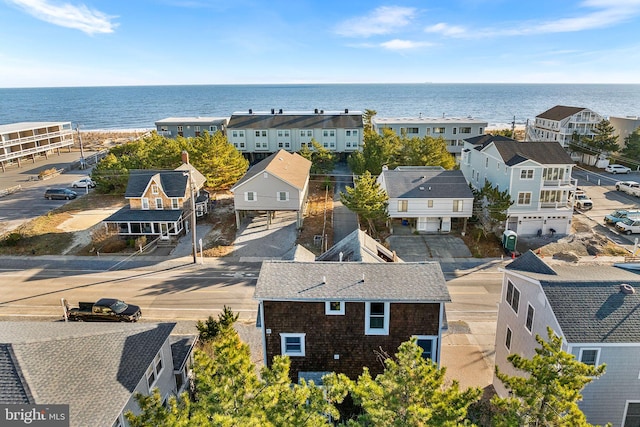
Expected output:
(513, 128)
(82, 163)
(185, 158)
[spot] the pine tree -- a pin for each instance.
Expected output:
(366, 199)
(631, 148)
(549, 391)
(217, 159)
(603, 139)
(410, 392)
(377, 151)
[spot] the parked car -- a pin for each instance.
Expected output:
(614, 169)
(581, 201)
(60, 194)
(103, 310)
(630, 187)
(617, 216)
(84, 183)
(628, 226)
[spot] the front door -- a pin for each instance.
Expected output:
(164, 231)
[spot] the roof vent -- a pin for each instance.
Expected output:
(346, 111)
(362, 277)
(324, 279)
(280, 111)
(341, 255)
(250, 111)
(315, 111)
(273, 111)
(421, 188)
(627, 289)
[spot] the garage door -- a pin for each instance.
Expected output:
(529, 225)
(429, 225)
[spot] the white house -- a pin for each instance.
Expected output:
(259, 134)
(31, 139)
(188, 127)
(537, 175)
(560, 123)
(426, 198)
(453, 130)
(595, 309)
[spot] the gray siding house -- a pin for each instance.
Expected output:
(278, 183)
(426, 198)
(597, 318)
(99, 367)
(537, 175)
(561, 122)
(188, 127)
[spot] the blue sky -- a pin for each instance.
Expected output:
(144, 42)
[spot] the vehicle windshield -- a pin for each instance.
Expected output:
(118, 307)
(627, 221)
(618, 214)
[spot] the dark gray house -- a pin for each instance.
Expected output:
(338, 316)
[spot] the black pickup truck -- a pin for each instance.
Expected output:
(104, 310)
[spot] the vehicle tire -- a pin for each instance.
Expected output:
(614, 172)
(627, 232)
(67, 198)
(75, 186)
(617, 188)
(48, 197)
(627, 172)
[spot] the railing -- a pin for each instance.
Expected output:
(572, 182)
(40, 137)
(554, 205)
(34, 150)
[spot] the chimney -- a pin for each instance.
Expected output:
(280, 111)
(185, 157)
(340, 255)
(315, 111)
(321, 111)
(346, 111)
(273, 111)
(250, 111)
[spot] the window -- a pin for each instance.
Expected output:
(145, 203)
(530, 313)
(438, 130)
(403, 205)
(154, 189)
(455, 130)
(428, 345)
(250, 196)
(526, 174)
(465, 130)
(180, 128)
(196, 128)
(292, 344)
(632, 417)
(413, 131)
(429, 203)
(174, 203)
(334, 307)
(458, 205)
(524, 198)
(513, 296)
(589, 356)
(507, 341)
(486, 162)
(376, 318)
(153, 372)
(213, 128)
(283, 196)
(159, 203)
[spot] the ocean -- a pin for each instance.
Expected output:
(138, 107)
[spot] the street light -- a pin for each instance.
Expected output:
(82, 164)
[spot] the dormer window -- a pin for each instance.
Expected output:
(154, 189)
(334, 307)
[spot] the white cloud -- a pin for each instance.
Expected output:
(446, 29)
(397, 44)
(382, 20)
(67, 15)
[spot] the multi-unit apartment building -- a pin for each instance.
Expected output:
(537, 175)
(259, 134)
(31, 139)
(190, 127)
(561, 122)
(452, 129)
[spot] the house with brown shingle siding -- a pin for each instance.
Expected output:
(341, 316)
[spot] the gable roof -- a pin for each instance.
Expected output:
(486, 139)
(426, 184)
(97, 365)
(174, 182)
(291, 168)
(358, 246)
(559, 112)
(322, 281)
(586, 299)
(298, 120)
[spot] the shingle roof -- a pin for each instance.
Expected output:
(560, 112)
(97, 365)
(289, 167)
(181, 348)
(13, 387)
(126, 214)
(426, 184)
(399, 282)
(545, 153)
(486, 139)
(358, 246)
(327, 120)
(586, 299)
(174, 183)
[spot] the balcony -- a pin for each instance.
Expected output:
(564, 184)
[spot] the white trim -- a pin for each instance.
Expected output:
(246, 196)
(434, 343)
(597, 350)
(283, 344)
(264, 334)
(329, 312)
(144, 201)
(626, 409)
(152, 370)
(367, 318)
(160, 205)
(533, 318)
(508, 333)
(286, 196)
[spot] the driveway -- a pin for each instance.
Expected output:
(255, 241)
(427, 247)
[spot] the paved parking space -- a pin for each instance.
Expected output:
(255, 241)
(427, 247)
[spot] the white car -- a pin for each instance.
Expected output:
(614, 169)
(83, 183)
(628, 226)
(630, 187)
